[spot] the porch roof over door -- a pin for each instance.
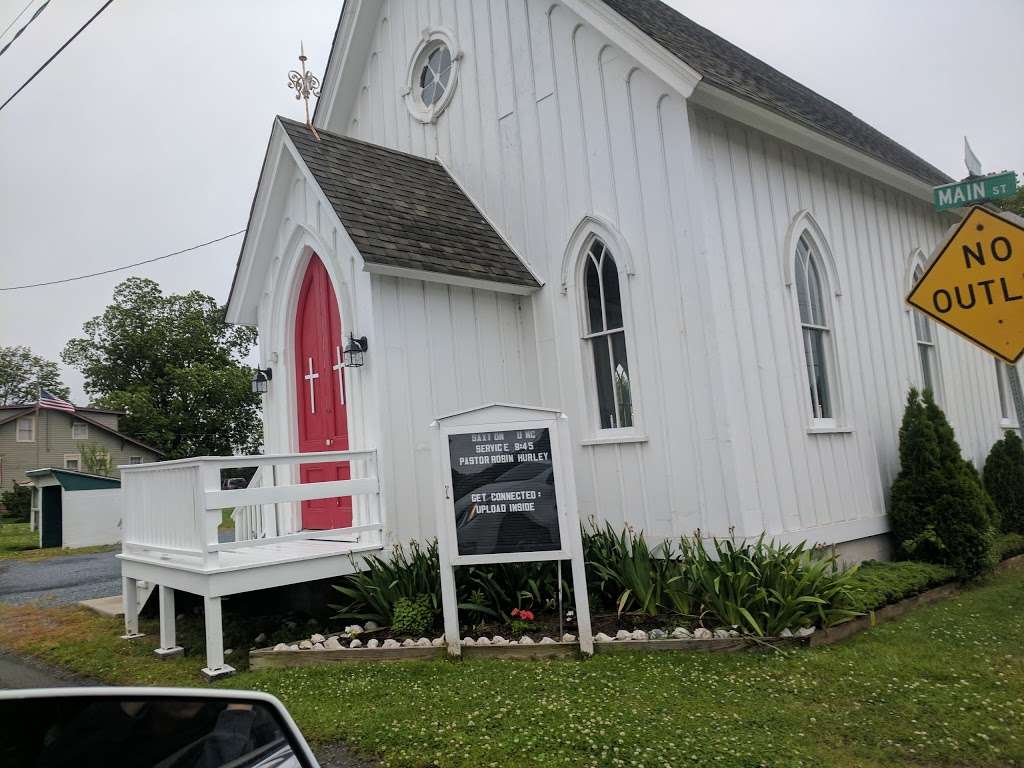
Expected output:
(404, 211)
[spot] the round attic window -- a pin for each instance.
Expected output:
(433, 74)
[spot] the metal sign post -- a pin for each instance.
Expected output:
(507, 494)
(1015, 390)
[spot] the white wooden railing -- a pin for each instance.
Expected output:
(173, 508)
(253, 521)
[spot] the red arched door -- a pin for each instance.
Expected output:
(320, 384)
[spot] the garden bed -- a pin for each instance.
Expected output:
(292, 656)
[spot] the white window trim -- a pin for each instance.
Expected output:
(589, 229)
(804, 224)
(1005, 394)
(132, 460)
(430, 38)
(917, 259)
(76, 457)
(79, 425)
(17, 429)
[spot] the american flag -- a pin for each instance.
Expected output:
(49, 400)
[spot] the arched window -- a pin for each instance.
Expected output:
(606, 336)
(815, 323)
(924, 337)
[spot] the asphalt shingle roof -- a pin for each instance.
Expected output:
(405, 211)
(732, 69)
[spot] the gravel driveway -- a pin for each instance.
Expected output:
(62, 580)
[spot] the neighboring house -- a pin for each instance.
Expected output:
(32, 437)
(604, 208)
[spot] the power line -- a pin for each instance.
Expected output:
(28, 23)
(15, 19)
(55, 55)
(126, 266)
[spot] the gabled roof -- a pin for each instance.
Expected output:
(404, 211)
(11, 412)
(72, 480)
(728, 67)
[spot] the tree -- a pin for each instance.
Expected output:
(1013, 204)
(21, 372)
(1004, 480)
(95, 459)
(175, 366)
(939, 511)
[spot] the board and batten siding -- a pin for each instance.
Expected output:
(444, 348)
(551, 124)
(755, 186)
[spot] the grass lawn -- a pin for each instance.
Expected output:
(942, 687)
(17, 541)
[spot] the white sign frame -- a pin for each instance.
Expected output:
(501, 417)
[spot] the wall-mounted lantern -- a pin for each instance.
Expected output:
(261, 380)
(355, 351)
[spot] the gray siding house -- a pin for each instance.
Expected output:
(32, 437)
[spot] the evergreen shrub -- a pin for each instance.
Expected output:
(1004, 481)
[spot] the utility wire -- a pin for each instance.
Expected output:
(126, 266)
(55, 55)
(28, 23)
(15, 19)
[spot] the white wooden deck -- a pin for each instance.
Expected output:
(172, 511)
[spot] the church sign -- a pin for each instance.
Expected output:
(975, 283)
(503, 485)
(975, 190)
(507, 495)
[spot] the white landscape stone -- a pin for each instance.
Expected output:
(526, 640)
(370, 626)
(513, 642)
(408, 643)
(483, 641)
(601, 637)
(681, 633)
(317, 638)
(305, 645)
(280, 647)
(786, 633)
(332, 644)
(638, 634)
(353, 629)
(357, 643)
(391, 643)
(422, 642)
(702, 633)
(721, 634)
(567, 638)
(260, 638)
(657, 634)
(622, 635)
(293, 647)
(437, 642)
(546, 641)
(468, 641)
(318, 647)
(734, 633)
(805, 632)
(498, 640)
(374, 643)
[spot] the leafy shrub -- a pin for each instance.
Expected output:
(879, 583)
(413, 616)
(627, 574)
(766, 587)
(939, 511)
(1004, 480)
(1009, 545)
(17, 502)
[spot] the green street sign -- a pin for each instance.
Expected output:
(964, 193)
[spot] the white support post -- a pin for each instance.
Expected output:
(168, 634)
(215, 666)
(580, 594)
(450, 609)
(130, 596)
(206, 522)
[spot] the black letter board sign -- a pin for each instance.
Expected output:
(504, 490)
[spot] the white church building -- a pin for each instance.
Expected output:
(595, 206)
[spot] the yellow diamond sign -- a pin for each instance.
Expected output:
(975, 284)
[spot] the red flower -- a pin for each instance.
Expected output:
(526, 615)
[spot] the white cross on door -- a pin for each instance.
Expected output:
(339, 366)
(310, 377)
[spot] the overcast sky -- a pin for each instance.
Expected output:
(147, 134)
